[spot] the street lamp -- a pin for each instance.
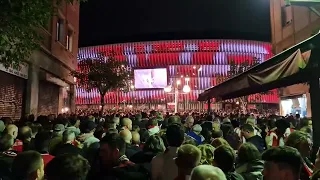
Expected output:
(186, 89)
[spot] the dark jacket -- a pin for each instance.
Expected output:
(234, 176)
(142, 157)
(251, 171)
(67, 149)
(132, 150)
(258, 142)
(6, 160)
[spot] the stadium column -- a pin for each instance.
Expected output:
(315, 95)
(32, 92)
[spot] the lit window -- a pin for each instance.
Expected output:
(69, 40)
(60, 30)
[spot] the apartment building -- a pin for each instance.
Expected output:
(291, 25)
(44, 85)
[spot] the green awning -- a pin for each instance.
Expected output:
(287, 68)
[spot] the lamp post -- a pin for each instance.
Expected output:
(186, 89)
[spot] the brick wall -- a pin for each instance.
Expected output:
(48, 98)
(12, 92)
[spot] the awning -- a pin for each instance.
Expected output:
(287, 68)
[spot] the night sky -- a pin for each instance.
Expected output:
(118, 21)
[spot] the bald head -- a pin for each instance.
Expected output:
(126, 135)
(189, 122)
(25, 133)
(135, 137)
(207, 172)
(12, 130)
(127, 123)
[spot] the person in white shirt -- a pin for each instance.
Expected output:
(163, 166)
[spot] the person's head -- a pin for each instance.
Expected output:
(136, 128)
(282, 126)
(2, 126)
(248, 153)
(251, 120)
(58, 130)
(68, 166)
(207, 134)
(174, 120)
(42, 141)
(306, 122)
(282, 163)
(247, 131)
(154, 144)
(207, 172)
(189, 122)
(35, 128)
(126, 123)
(74, 121)
(224, 158)
(152, 123)
(25, 133)
(197, 129)
(206, 154)
(68, 136)
(175, 135)
(188, 157)
(28, 165)
(216, 125)
(135, 138)
(88, 127)
(6, 142)
(218, 142)
(116, 120)
(126, 136)
(12, 130)
(301, 141)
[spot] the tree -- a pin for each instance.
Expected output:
(20, 21)
(103, 73)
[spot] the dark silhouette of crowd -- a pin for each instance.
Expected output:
(142, 145)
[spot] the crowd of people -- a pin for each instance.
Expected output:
(159, 146)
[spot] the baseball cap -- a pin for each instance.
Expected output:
(59, 127)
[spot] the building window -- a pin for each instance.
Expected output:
(286, 15)
(60, 30)
(69, 40)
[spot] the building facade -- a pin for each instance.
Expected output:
(289, 26)
(44, 86)
(204, 62)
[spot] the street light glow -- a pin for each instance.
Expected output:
(167, 89)
(186, 89)
(178, 82)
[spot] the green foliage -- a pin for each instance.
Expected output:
(19, 23)
(104, 73)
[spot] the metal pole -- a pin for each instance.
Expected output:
(176, 100)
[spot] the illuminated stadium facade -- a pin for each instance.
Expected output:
(202, 61)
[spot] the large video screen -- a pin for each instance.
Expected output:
(150, 78)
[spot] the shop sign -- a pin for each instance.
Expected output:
(20, 70)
